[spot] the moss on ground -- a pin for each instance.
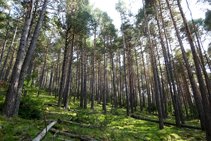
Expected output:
(114, 126)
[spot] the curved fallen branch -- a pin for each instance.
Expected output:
(165, 123)
(72, 135)
(43, 133)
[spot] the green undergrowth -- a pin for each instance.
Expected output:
(114, 126)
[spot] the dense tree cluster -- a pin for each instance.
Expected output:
(75, 52)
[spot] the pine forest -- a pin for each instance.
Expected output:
(68, 72)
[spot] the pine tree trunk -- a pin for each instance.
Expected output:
(76, 79)
(204, 93)
(8, 53)
(9, 105)
(51, 81)
(10, 65)
(120, 83)
(64, 69)
(104, 85)
(190, 74)
(147, 83)
(139, 88)
(208, 83)
(4, 44)
(29, 56)
(69, 74)
(155, 73)
(82, 80)
(125, 71)
(93, 72)
(85, 79)
(44, 65)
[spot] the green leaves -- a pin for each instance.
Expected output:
(207, 21)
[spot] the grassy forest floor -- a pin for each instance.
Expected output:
(113, 126)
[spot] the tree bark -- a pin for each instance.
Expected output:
(204, 93)
(29, 56)
(69, 74)
(155, 73)
(93, 72)
(125, 71)
(190, 74)
(8, 53)
(85, 79)
(9, 104)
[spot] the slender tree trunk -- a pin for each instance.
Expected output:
(85, 79)
(10, 65)
(69, 74)
(163, 96)
(104, 85)
(147, 83)
(120, 83)
(9, 104)
(93, 73)
(204, 93)
(51, 81)
(44, 65)
(208, 83)
(139, 88)
(82, 79)
(190, 74)
(155, 73)
(64, 69)
(125, 71)
(29, 56)
(5, 62)
(186, 87)
(76, 79)
(4, 44)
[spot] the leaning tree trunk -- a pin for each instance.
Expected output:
(204, 93)
(190, 73)
(169, 72)
(29, 56)
(155, 73)
(208, 83)
(5, 43)
(9, 105)
(10, 65)
(8, 53)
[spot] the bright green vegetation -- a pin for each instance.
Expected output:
(115, 126)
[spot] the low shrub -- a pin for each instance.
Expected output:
(29, 108)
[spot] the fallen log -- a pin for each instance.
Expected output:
(43, 133)
(74, 123)
(72, 135)
(165, 123)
